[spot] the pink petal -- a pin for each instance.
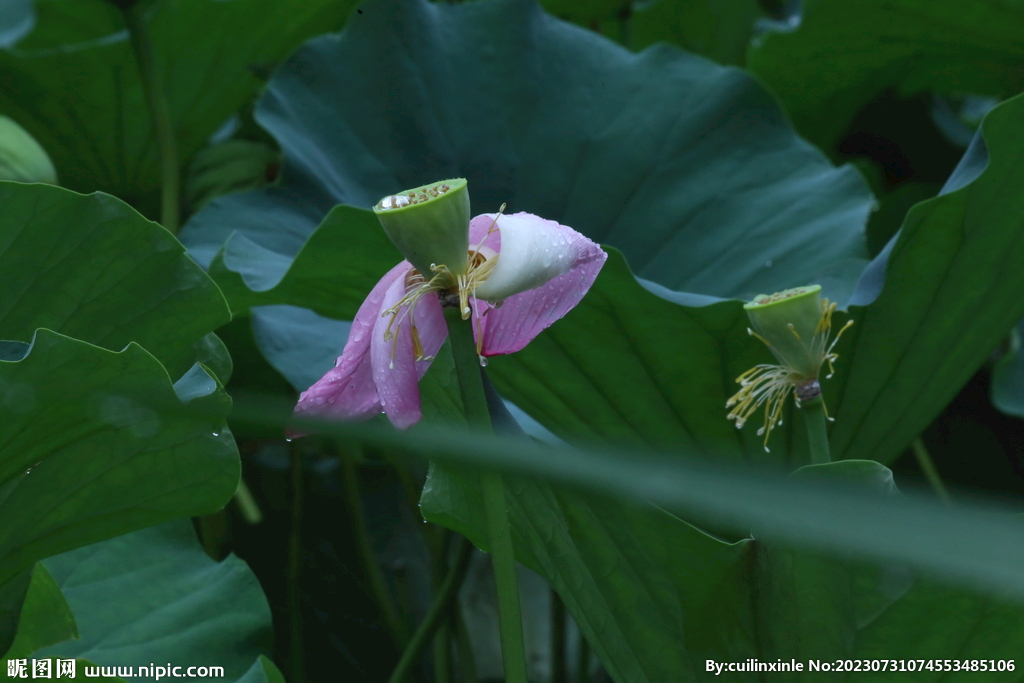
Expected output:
(347, 391)
(432, 329)
(480, 231)
(525, 315)
(396, 372)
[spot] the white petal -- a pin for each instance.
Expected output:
(533, 251)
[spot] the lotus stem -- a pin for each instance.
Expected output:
(159, 114)
(510, 620)
(445, 595)
(817, 434)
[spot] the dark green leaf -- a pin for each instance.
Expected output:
(717, 29)
(688, 167)
(155, 596)
(74, 84)
(662, 372)
(12, 598)
(841, 54)
(92, 268)
(46, 618)
(89, 451)
(952, 283)
(262, 671)
(637, 580)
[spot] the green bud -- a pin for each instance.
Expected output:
(789, 323)
(429, 225)
(21, 157)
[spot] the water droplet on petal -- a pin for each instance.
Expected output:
(483, 362)
(288, 439)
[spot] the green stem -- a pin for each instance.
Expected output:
(247, 504)
(464, 647)
(510, 620)
(443, 636)
(817, 434)
(583, 660)
(364, 549)
(159, 113)
(445, 595)
(296, 654)
(558, 670)
(924, 461)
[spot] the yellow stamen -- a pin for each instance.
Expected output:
(769, 385)
(479, 268)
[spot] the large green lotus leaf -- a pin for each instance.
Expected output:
(92, 268)
(597, 553)
(973, 544)
(654, 595)
(947, 291)
(155, 596)
(933, 618)
(96, 444)
(661, 374)
(717, 29)
(74, 84)
(840, 55)
(688, 167)
(651, 609)
(332, 273)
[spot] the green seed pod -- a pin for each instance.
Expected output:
(789, 322)
(21, 157)
(429, 225)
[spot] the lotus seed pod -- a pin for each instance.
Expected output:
(21, 157)
(789, 322)
(429, 225)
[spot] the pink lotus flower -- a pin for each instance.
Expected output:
(524, 273)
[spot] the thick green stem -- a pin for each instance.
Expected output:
(924, 461)
(445, 595)
(817, 434)
(510, 620)
(159, 114)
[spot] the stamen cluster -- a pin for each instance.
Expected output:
(769, 385)
(480, 264)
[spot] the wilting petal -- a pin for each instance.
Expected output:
(523, 316)
(432, 330)
(394, 362)
(347, 391)
(533, 251)
(480, 232)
